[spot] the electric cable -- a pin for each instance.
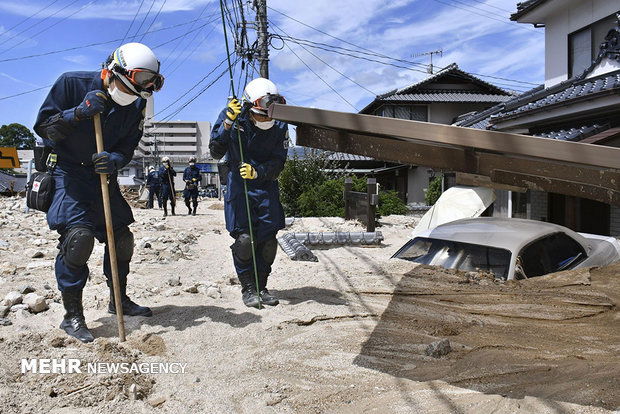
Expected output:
(143, 20)
(29, 17)
(132, 22)
(39, 22)
(92, 44)
(328, 65)
(24, 93)
(154, 20)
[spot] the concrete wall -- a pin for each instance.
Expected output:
(445, 113)
(566, 18)
(417, 182)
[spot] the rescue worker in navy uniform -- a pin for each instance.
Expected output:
(191, 176)
(154, 185)
(265, 146)
(118, 93)
(166, 175)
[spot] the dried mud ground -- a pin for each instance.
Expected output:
(349, 335)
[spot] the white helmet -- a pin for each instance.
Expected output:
(137, 67)
(151, 168)
(165, 159)
(192, 159)
(258, 89)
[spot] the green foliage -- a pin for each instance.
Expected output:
(17, 136)
(433, 192)
(390, 203)
(301, 174)
(323, 200)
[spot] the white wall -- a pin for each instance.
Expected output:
(569, 17)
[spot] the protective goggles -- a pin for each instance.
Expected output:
(142, 78)
(266, 101)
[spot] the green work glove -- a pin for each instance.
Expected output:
(233, 111)
(247, 172)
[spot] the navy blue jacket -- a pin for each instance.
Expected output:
(153, 179)
(266, 151)
(165, 180)
(77, 197)
(75, 140)
(192, 172)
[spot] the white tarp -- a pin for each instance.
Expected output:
(456, 203)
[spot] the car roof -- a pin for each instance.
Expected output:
(501, 232)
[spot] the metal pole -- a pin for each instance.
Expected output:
(28, 178)
(263, 37)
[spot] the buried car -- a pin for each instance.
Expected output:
(509, 248)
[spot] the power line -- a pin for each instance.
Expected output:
(153, 21)
(132, 22)
(49, 27)
(24, 93)
(330, 66)
(143, 20)
(515, 25)
(93, 44)
(373, 53)
(37, 23)
(28, 18)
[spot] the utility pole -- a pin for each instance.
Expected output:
(263, 37)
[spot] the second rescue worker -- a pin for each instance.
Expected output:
(265, 147)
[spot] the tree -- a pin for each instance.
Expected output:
(17, 136)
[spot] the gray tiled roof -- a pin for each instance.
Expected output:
(540, 99)
(341, 156)
(525, 7)
(447, 96)
(571, 92)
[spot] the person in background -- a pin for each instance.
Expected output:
(191, 176)
(166, 175)
(118, 93)
(153, 183)
(265, 145)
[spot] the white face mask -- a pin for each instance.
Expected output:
(265, 125)
(191, 164)
(120, 97)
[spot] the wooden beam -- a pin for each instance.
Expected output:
(500, 142)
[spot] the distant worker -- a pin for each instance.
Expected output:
(265, 146)
(153, 183)
(166, 175)
(191, 176)
(65, 122)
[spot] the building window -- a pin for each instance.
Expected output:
(584, 45)
(410, 112)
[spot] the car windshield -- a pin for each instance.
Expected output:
(456, 255)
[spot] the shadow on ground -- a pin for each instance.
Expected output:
(178, 317)
(551, 337)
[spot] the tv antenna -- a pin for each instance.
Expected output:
(434, 52)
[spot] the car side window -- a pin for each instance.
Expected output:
(550, 254)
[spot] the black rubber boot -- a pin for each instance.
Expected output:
(195, 207)
(165, 209)
(130, 308)
(265, 296)
(172, 207)
(189, 208)
(74, 323)
(248, 290)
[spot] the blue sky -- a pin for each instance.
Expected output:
(40, 39)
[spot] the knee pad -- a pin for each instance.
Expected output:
(124, 242)
(77, 245)
(242, 247)
(269, 250)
